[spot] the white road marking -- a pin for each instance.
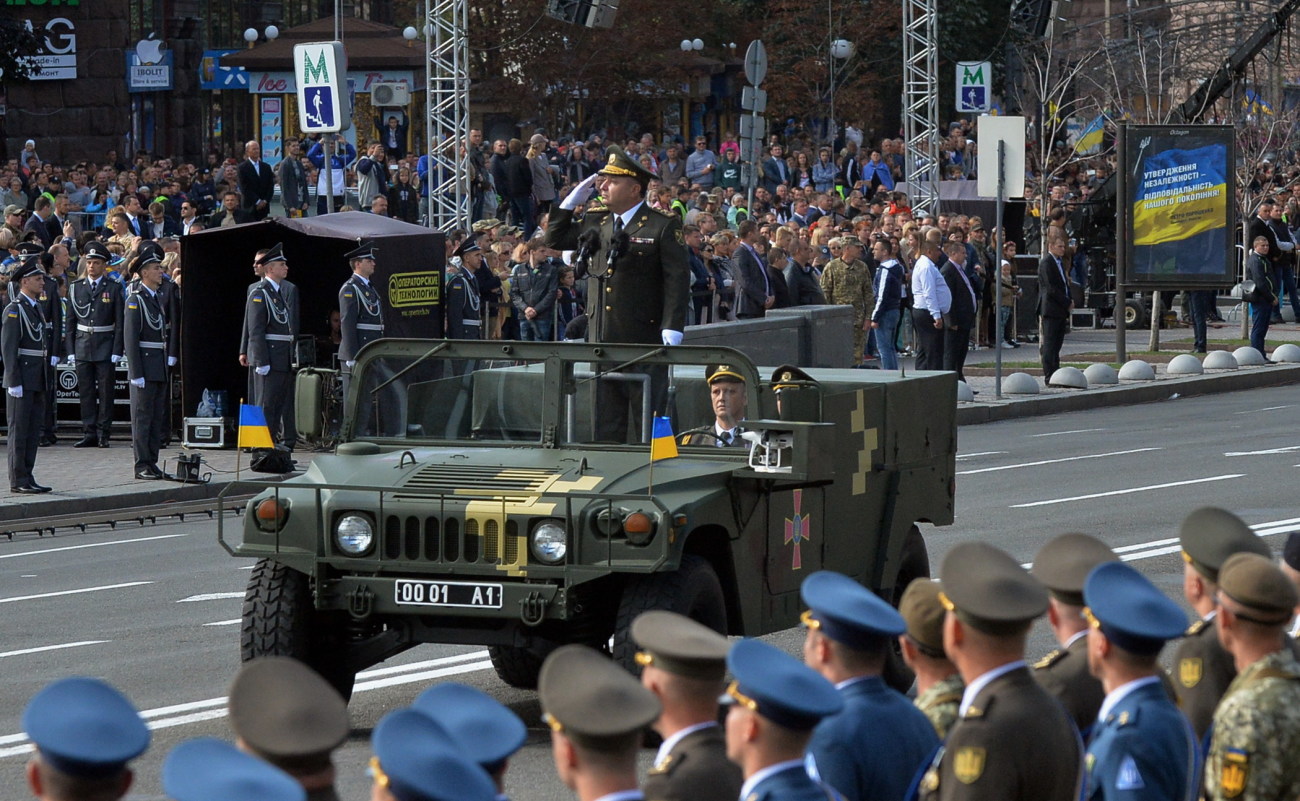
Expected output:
(1061, 433)
(1267, 452)
(211, 596)
(90, 545)
(225, 622)
(1265, 409)
(1146, 550)
(212, 708)
(42, 648)
(961, 456)
(73, 592)
(1128, 491)
(1054, 461)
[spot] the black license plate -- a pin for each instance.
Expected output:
(408, 592)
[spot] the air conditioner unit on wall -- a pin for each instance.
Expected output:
(395, 93)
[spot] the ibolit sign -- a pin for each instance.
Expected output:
(149, 67)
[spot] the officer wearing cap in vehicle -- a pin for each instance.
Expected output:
(729, 401)
(683, 663)
(481, 725)
(94, 342)
(25, 346)
(86, 733)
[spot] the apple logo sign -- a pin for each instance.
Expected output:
(149, 51)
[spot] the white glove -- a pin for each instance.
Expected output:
(72, 361)
(263, 370)
(17, 391)
(580, 193)
(671, 337)
(138, 383)
(171, 361)
(350, 364)
(54, 361)
(115, 358)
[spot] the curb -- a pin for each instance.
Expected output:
(157, 496)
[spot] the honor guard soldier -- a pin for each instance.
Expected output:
(52, 307)
(1202, 668)
(361, 320)
(95, 342)
(939, 686)
(208, 769)
(24, 343)
(284, 713)
(1012, 741)
(1142, 748)
(1062, 565)
(146, 332)
(481, 725)
(272, 328)
(850, 636)
(85, 733)
(596, 711)
(774, 703)
(464, 302)
(683, 663)
(1256, 733)
(417, 760)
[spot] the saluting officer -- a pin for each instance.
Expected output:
(361, 317)
(24, 343)
(418, 760)
(850, 636)
(146, 334)
(683, 663)
(464, 302)
(1142, 747)
(1202, 668)
(1013, 741)
(1063, 565)
(85, 733)
(939, 686)
(484, 728)
(272, 327)
(206, 769)
(95, 342)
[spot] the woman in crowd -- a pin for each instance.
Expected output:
(825, 171)
(404, 198)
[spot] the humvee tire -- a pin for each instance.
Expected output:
(915, 563)
(692, 590)
(279, 620)
(518, 667)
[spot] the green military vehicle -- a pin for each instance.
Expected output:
(470, 502)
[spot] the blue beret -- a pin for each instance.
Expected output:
(480, 724)
(421, 762)
(85, 728)
(1129, 609)
(848, 612)
(208, 769)
(779, 687)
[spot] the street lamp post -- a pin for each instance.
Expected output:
(840, 50)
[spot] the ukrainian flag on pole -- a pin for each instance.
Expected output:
(1090, 140)
(253, 430)
(662, 443)
(1254, 104)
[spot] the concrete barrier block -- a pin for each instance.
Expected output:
(1137, 370)
(1220, 360)
(1020, 384)
(1068, 377)
(1247, 356)
(1184, 364)
(1101, 374)
(1288, 353)
(964, 393)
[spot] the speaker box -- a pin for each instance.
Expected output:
(1027, 309)
(587, 13)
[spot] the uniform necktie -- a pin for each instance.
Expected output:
(618, 225)
(725, 439)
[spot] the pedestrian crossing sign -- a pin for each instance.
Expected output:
(320, 70)
(973, 81)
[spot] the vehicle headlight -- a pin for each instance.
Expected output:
(549, 542)
(354, 534)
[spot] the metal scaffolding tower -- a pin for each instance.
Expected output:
(447, 92)
(921, 103)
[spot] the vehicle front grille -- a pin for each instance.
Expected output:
(471, 540)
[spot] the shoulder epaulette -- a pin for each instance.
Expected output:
(1051, 659)
(1195, 628)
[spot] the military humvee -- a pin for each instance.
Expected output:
(470, 503)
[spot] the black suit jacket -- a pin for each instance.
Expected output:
(256, 184)
(1259, 227)
(1053, 295)
(751, 294)
(962, 313)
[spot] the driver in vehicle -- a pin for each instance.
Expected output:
(728, 399)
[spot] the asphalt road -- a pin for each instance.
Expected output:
(154, 610)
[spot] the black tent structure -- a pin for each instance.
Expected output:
(217, 269)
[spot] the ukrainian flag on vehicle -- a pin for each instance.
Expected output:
(253, 430)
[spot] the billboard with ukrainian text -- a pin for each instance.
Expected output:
(1179, 202)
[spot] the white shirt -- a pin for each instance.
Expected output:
(929, 290)
(670, 743)
(734, 434)
(1120, 693)
(628, 216)
(770, 770)
(976, 687)
(1075, 637)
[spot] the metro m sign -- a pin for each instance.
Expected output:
(321, 72)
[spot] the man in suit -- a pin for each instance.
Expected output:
(159, 224)
(775, 170)
(230, 213)
(147, 338)
(931, 302)
(961, 316)
(25, 347)
(38, 223)
(60, 217)
(1267, 294)
(256, 182)
(293, 180)
(272, 321)
(683, 663)
(1012, 740)
(754, 296)
(1054, 304)
(134, 216)
(392, 136)
(94, 343)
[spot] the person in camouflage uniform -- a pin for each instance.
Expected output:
(1256, 731)
(939, 686)
(846, 281)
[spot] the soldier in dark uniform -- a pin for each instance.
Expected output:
(464, 303)
(207, 768)
(272, 328)
(24, 343)
(418, 760)
(284, 713)
(95, 343)
(850, 636)
(52, 308)
(361, 321)
(485, 729)
(85, 733)
(259, 272)
(939, 686)
(729, 400)
(1202, 668)
(1013, 741)
(146, 335)
(1142, 746)
(596, 712)
(683, 663)
(1062, 565)
(773, 705)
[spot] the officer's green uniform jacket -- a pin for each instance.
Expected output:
(696, 769)
(1255, 750)
(1064, 674)
(1202, 672)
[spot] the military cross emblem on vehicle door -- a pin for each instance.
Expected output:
(797, 530)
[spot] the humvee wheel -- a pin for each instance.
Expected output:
(914, 564)
(279, 620)
(518, 667)
(692, 590)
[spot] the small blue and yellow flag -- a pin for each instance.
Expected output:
(662, 443)
(1254, 104)
(253, 430)
(1090, 140)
